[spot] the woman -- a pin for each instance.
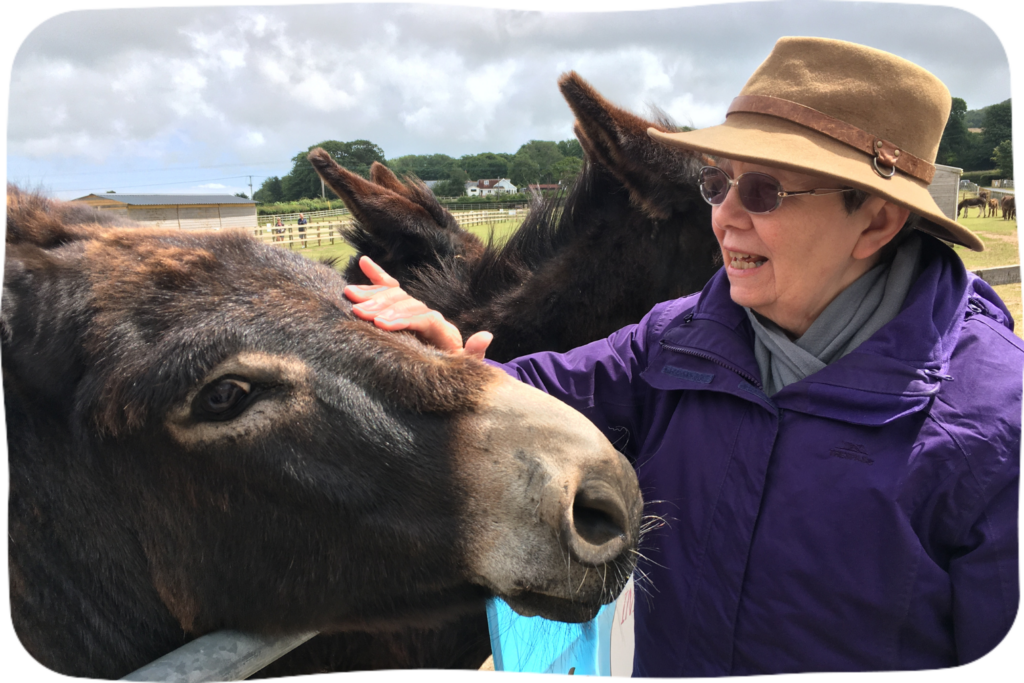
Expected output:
(831, 428)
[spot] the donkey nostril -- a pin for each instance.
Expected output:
(593, 525)
(597, 515)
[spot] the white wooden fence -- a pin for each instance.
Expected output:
(333, 215)
(327, 233)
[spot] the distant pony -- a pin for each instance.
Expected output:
(1009, 206)
(993, 207)
(964, 205)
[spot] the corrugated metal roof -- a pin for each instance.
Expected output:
(159, 199)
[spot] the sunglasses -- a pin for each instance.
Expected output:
(759, 192)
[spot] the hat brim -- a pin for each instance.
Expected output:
(755, 138)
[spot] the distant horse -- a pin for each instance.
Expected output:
(1009, 207)
(964, 205)
(993, 207)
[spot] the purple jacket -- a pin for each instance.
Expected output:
(863, 518)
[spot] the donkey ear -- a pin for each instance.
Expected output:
(618, 141)
(402, 228)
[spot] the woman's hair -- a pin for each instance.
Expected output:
(854, 199)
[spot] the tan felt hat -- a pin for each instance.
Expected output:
(865, 118)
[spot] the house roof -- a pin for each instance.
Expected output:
(487, 183)
(164, 199)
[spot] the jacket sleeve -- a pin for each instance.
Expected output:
(600, 379)
(984, 574)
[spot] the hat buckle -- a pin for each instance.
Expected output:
(888, 157)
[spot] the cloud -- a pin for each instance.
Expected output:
(258, 84)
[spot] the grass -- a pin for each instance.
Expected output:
(1000, 238)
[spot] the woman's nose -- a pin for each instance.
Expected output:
(731, 212)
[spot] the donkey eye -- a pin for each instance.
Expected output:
(222, 399)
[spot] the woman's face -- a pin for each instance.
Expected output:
(789, 264)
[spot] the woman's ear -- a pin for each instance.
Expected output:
(883, 221)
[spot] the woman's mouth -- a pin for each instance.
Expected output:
(745, 261)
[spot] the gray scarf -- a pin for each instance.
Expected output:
(855, 314)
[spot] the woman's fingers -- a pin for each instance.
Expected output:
(477, 344)
(382, 300)
(430, 326)
(391, 308)
(376, 273)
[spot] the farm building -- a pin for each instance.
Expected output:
(945, 188)
(182, 211)
(489, 186)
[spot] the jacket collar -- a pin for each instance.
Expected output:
(895, 372)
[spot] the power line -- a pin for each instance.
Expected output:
(180, 182)
(160, 170)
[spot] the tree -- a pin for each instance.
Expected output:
(566, 169)
(485, 165)
(998, 125)
(1003, 156)
(242, 195)
(454, 185)
(423, 166)
(544, 153)
(523, 170)
(449, 188)
(954, 137)
(976, 155)
(356, 156)
(571, 148)
(272, 190)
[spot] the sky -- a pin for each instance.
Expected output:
(207, 99)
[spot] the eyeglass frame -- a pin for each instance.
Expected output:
(780, 194)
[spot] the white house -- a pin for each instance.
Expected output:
(490, 186)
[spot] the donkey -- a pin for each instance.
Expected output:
(632, 231)
(203, 436)
(993, 207)
(1009, 207)
(965, 204)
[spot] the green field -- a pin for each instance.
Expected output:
(1000, 238)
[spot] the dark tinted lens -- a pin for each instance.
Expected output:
(714, 184)
(759, 192)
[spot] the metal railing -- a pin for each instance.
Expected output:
(219, 656)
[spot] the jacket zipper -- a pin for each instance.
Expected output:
(728, 366)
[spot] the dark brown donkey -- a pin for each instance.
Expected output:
(1009, 207)
(202, 436)
(965, 204)
(633, 231)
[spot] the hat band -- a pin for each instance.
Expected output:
(883, 151)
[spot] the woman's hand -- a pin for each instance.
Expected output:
(390, 308)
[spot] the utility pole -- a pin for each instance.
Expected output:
(250, 187)
(322, 188)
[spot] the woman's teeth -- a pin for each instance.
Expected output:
(745, 261)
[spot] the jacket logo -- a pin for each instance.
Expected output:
(851, 451)
(701, 377)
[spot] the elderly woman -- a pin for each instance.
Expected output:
(831, 428)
